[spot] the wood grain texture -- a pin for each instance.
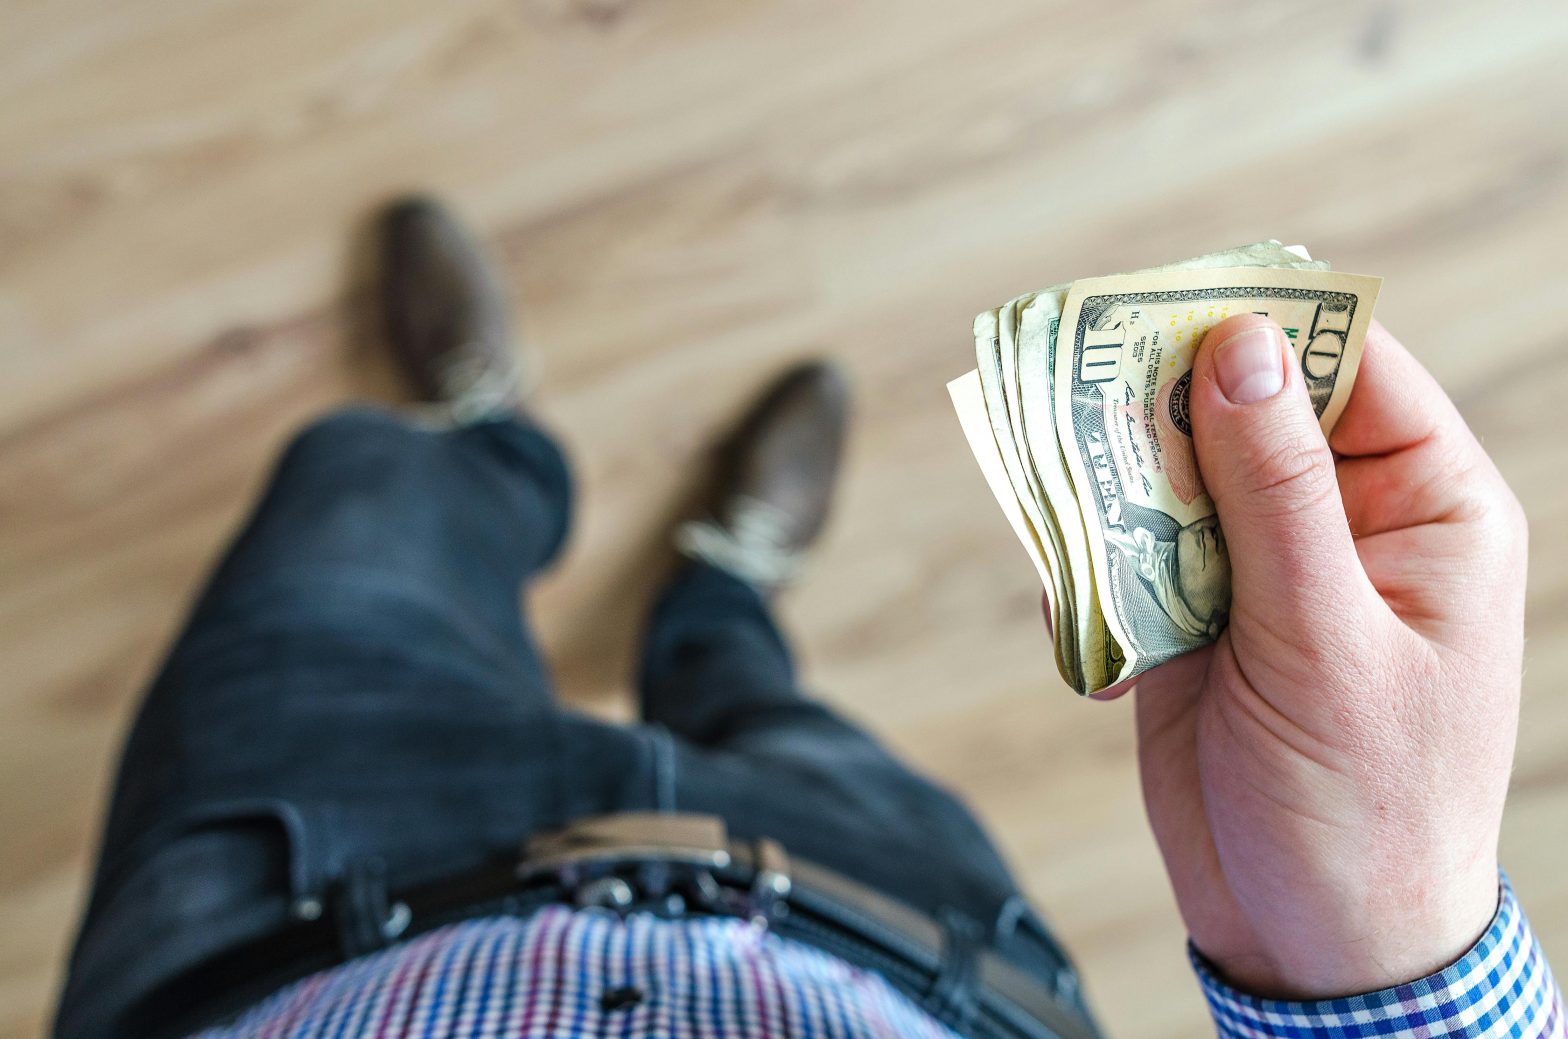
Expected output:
(686, 196)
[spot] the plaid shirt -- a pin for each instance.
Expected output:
(564, 973)
(1501, 988)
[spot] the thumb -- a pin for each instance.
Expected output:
(1268, 467)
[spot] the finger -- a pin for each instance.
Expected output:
(1167, 692)
(1175, 677)
(1406, 455)
(1114, 692)
(1413, 486)
(1395, 403)
(1269, 470)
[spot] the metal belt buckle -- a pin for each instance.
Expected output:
(771, 885)
(617, 861)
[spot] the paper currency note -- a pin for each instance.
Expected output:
(994, 371)
(1121, 377)
(1026, 343)
(1018, 413)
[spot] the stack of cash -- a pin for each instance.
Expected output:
(1078, 415)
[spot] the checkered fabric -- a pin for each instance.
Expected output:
(567, 973)
(1501, 988)
(583, 973)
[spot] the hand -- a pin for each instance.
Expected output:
(1326, 781)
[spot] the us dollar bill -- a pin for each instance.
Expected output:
(1122, 377)
(1034, 320)
(1063, 424)
(1026, 510)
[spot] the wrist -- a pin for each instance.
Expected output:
(1501, 987)
(1393, 938)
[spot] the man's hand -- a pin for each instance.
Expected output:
(1326, 781)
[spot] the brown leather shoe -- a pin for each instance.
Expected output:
(446, 314)
(776, 480)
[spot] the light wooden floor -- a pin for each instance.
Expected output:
(687, 195)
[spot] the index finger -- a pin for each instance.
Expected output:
(1395, 404)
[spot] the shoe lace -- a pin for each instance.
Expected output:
(755, 545)
(472, 388)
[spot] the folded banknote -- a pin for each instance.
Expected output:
(1077, 413)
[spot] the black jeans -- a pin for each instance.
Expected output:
(357, 685)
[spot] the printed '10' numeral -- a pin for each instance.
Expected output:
(1102, 354)
(1326, 343)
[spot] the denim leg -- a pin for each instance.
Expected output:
(713, 659)
(356, 682)
(382, 558)
(718, 673)
(452, 520)
(755, 750)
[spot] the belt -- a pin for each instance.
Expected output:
(670, 863)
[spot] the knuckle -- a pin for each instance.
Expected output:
(1508, 523)
(1292, 473)
(1496, 511)
(1517, 520)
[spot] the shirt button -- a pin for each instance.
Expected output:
(622, 998)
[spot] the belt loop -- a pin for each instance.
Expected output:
(661, 745)
(953, 991)
(365, 920)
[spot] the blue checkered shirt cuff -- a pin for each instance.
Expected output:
(1502, 987)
